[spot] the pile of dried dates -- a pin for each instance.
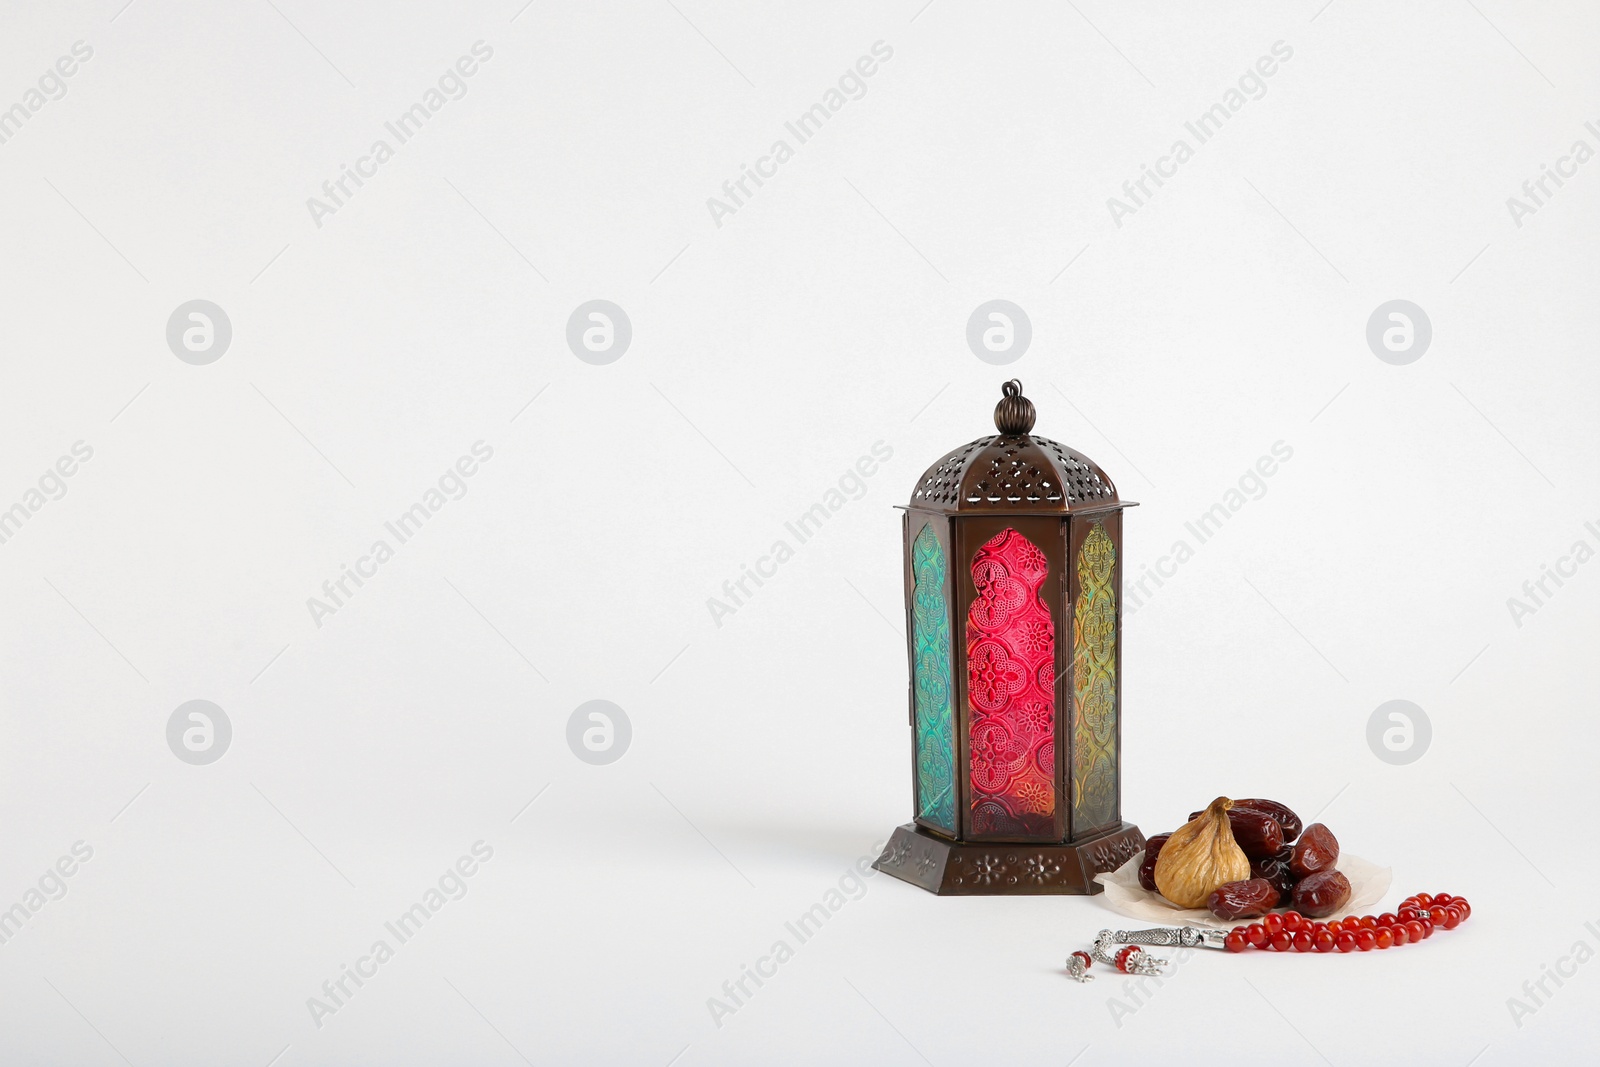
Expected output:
(1242, 858)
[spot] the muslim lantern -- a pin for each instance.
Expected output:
(1013, 573)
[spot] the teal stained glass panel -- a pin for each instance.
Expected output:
(930, 629)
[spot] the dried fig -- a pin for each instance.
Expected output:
(1147, 866)
(1317, 850)
(1199, 856)
(1280, 813)
(1243, 900)
(1319, 895)
(1276, 869)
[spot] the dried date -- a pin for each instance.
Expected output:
(1319, 895)
(1257, 833)
(1317, 850)
(1276, 869)
(1280, 813)
(1243, 900)
(1147, 867)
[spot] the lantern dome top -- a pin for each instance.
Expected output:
(1013, 470)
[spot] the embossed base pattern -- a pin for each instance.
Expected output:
(952, 868)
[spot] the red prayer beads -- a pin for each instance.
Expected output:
(1414, 921)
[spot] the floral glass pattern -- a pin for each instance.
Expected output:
(1094, 658)
(930, 629)
(1011, 643)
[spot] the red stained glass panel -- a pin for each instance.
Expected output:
(1011, 650)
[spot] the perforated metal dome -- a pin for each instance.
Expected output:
(1013, 470)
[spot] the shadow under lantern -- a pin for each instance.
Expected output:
(1013, 575)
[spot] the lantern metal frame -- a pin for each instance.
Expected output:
(1054, 497)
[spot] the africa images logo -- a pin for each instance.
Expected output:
(852, 85)
(51, 86)
(1251, 85)
(451, 85)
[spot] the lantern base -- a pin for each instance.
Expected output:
(990, 868)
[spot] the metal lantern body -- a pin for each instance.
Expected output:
(1013, 573)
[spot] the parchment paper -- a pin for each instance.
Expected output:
(1368, 884)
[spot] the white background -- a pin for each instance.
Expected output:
(770, 753)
